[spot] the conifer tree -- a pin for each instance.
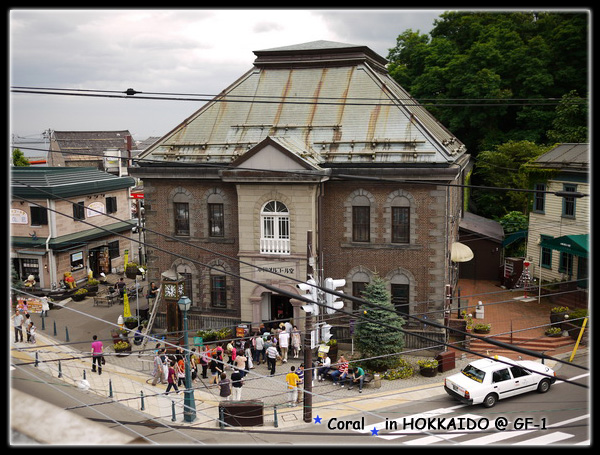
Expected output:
(378, 330)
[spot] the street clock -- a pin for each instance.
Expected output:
(173, 290)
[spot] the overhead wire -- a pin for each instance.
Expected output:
(359, 101)
(239, 261)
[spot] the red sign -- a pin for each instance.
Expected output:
(137, 195)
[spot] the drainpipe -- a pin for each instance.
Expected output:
(51, 229)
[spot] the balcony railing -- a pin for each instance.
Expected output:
(275, 246)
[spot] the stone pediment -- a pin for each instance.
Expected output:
(276, 158)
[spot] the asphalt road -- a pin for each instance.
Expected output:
(564, 403)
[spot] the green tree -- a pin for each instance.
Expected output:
(570, 123)
(512, 223)
(472, 63)
(506, 166)
(378, 331)
(18, 158)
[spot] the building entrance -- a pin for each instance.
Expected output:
(281, 308)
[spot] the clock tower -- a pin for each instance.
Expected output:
(173, 288)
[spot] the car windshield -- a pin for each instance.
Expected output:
(473, 373)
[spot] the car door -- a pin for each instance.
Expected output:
(524, 380)
(503, 383)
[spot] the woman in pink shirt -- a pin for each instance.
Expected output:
(97, 357)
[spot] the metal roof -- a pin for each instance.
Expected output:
(566, 156)
(332, 101)
(58, 182)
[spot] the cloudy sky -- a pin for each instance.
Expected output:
(198, 51)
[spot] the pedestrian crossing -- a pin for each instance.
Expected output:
(480, 432)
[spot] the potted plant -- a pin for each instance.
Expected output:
(131, 322)
(469, 320)
(92, 286)
(333, 348)
(122, 347)
(558, 313)
(482, 328)
(553, 332)
(132, 270)
(428, 367)
(80, 294)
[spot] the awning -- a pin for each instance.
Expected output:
(460, 252)
(512, 238)
(577, 245)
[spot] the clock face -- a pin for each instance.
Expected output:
(180, 289)
(170, 291)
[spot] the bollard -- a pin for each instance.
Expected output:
(54, 328)
(173, 411)
(67, 334)
(276, 424)
(84, 374)
(142, 393)
(37, 362)
(59, 370)
(110, 391)
(43, 322)
(221, 417)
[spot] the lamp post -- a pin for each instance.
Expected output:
(189, 404)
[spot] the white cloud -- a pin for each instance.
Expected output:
(181, 51)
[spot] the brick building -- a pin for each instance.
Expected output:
(315, 137)
(68, 219)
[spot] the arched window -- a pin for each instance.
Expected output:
(275, 228)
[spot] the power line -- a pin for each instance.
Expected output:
(332, 176)
(261, 99)
(231, 258)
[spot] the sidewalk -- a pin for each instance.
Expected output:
(127, 379)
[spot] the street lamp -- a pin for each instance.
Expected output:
(189, 404)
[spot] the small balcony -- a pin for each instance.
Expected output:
(275, 246)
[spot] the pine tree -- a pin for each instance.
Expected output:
(378, 331)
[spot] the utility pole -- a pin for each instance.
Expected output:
(308, 366)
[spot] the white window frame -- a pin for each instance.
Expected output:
(274, 228)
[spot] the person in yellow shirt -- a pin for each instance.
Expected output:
(292, 380)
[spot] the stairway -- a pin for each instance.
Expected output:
(547, 345)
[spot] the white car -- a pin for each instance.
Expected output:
(486, 381)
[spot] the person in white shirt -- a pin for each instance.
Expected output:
(284, 343)
(324, 368)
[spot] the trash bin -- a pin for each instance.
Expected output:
(242, 413)
(376, 381)
(446, 361)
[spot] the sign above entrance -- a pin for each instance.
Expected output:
(267, 271)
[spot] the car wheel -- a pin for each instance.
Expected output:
(543, 386)
(490, 400)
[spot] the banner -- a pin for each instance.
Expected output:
(126, 258)
(126, 309)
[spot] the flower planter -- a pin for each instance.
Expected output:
(428, 372)
(78, 297)
(557, 317)
(481, 331)
(123, 352)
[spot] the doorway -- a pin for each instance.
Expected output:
(99, 260)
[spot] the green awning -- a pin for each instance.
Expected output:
(512, 238)
(577, 245)
(68, 240)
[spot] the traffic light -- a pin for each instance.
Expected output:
(333, 302)
(311, 292)
(325, 332)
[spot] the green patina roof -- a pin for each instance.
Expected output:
(62, 182)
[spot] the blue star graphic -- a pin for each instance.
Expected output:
(318, 419)
(374, 432)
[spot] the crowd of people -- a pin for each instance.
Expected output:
(270, 346)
